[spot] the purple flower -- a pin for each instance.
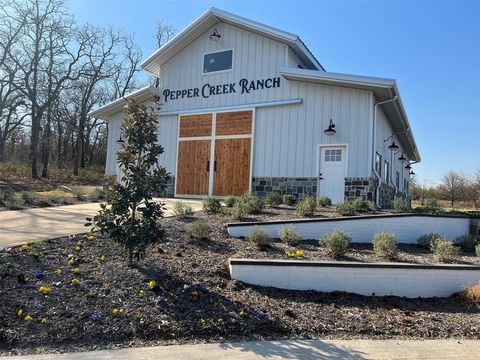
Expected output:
(39, 273)
(96, 316)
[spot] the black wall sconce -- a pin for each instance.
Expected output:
(331, 129)
(392, 146)
(120, 140)
(402, 159)
(215, 36)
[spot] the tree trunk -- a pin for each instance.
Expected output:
(46, 145)
(34, 138)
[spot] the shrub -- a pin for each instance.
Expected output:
(466, 242)
(211, 205)
(80, 195)
(273, 199)
(362, 205)
(385, 246)
(345, 209)
(400, 205)
(289, 199)
(307, 206)
(432, 206)
(182, 209)
(131, 219)
(199, 229)
(336, 243)
(444, 251)
(427, 241)
(97, 194)
(240, 210)
(471, 295)
(289, 235)
(230, 201)
(29, 197)
(477, 250)
(251, 203)
(260, 238)
(324, 201)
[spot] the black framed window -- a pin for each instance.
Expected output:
(378, 163)
(218, 61)
(387, 172)
(397, 179)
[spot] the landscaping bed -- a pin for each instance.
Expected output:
(194, 300)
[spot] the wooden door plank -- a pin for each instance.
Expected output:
(192, 173)
(234, 123)
(196, 125)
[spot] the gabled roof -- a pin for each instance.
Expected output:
(383, 89)
(106, 111)
(212, 17)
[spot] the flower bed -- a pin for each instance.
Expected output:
(192, 298)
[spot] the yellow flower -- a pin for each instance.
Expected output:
(78, 248)
(75, 282)
(57, 272)
(141, 293)
(44, 320)
(90, 237)
(76, 271)
(236, 255)
(24, 247)
(152, 284)
(290, 254)
(121, 311)
(220, 321)
(20, 312)
(299, 253)
(45, 290)
(72, 262)
(28, 318)
(202, 322)
(101, 258)
(115, 311)
(242, 313)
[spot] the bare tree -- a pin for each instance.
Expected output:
(453, 186)
(163, 34)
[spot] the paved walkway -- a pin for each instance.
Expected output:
(19, 226)
(288, 349)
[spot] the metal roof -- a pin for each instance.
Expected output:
(383, 89)
(211, 17)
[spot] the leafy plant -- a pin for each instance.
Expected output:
(307, 206)
(260, 238)
(29, 197)
(324, 201)
(211, 205)
(362, 205)
(289, 235)
(199, 229)
(289, 199)
(444, 251)
(273, 199)
(345, 209)
(336, 243)
(384, 245)
(230, 201)
(251, 203)
(466, 242)
(400, 205)
(97, 194)
(471, 295)
(182, 209)
(131, 217)
(427, 241)
(240, 210)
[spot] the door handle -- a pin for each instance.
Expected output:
(208, 166)
(215, 166)
(320, 177)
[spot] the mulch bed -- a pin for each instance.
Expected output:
(194, 299)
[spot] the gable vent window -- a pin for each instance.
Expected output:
(218, 61)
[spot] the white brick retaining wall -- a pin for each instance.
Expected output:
(377, 279)
(406, 227)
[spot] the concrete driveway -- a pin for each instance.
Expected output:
(19, 226)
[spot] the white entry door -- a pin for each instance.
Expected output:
(332, 169)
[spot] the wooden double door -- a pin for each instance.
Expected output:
(214, 152)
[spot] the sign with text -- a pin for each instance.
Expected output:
(244, 86)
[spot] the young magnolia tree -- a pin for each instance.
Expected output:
(130, 216)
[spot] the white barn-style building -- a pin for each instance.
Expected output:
(247, 107)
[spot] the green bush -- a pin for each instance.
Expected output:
(477, 250)
(240, 210)
(289, 235)
(182, 209)
(345, 209)
(444, 251)
(400, 205)
(289, 199)
(273, 199)
(324, 201)
(427, 241)
(307, 206)
(466, 242)
(230, 201)
(362, 205)
(198, 229)
(29, 197)
(251, 203)
(211, 205)
(260, 238)
(336, 243)
(384, 245)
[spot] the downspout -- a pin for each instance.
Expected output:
(374, 151)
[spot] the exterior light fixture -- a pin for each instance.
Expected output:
(411, 172)
(331, 129)
(402, 159)
(392, 146)
(408, 167)
(215, 36)
(120, 140)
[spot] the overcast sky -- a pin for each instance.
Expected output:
(431, 48)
